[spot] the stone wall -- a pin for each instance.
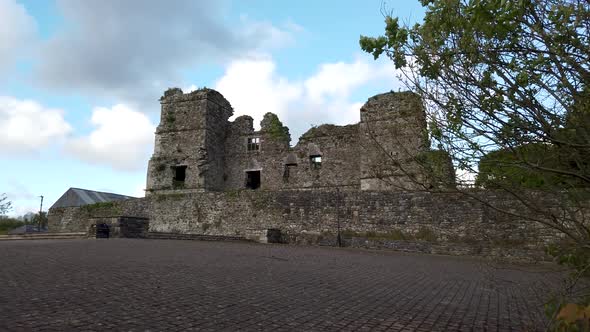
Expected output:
(440, 222)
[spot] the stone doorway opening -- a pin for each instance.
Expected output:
(253, 179)
(102, 231)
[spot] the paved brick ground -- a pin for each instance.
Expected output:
(181, 285)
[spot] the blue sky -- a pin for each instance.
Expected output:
(79, 80)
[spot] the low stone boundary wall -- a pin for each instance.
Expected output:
(453, 249)
(445, 223)
(44, 236)
(196, 237)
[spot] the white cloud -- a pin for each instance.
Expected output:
(123, 139)
(16, 32)
(139, 191)
(133, 50)
(20, 210)
(337, 80)
(26, 126)
(254, 87)
(190, 88)
(268, 35)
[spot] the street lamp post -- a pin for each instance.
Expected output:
(40, 215)
(338, 202)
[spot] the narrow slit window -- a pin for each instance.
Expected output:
(254, 144)
(316, 162)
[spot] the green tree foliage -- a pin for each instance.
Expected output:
(508, 168)
(40, 219)
(5, 205)
(506, 89)
(499, 74)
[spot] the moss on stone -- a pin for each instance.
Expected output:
(438, 167)
(177, 184)
(171, 196)
(258, 202)
(102, 206)
(170, 118)
(205, 226)
(423, 234)
(394, 235)
(232, 193)
(426, 234)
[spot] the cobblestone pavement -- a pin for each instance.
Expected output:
(125, 284)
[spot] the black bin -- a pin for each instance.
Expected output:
(102, 231)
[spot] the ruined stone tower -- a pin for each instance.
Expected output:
(393, 136)
(189, 147)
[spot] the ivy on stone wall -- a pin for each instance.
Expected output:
(438, 167)
(103, 207)
(274, 127)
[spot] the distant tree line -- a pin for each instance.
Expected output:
(9, 223)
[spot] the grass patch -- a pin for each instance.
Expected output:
(423, 234)
(232, 194)
(394, 235)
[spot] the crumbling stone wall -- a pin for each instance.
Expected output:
(283, 167)
(191, 133)
(382, 152)
(274, 142)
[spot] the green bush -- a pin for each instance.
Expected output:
(8, 224)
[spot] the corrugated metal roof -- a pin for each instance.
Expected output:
(79, 197)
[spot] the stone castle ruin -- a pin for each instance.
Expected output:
(365, 184)
(198, 149)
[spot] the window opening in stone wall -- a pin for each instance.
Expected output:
(254, 144)
(253, 179)
(287, 173)
(179, 176)
(316, 162)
